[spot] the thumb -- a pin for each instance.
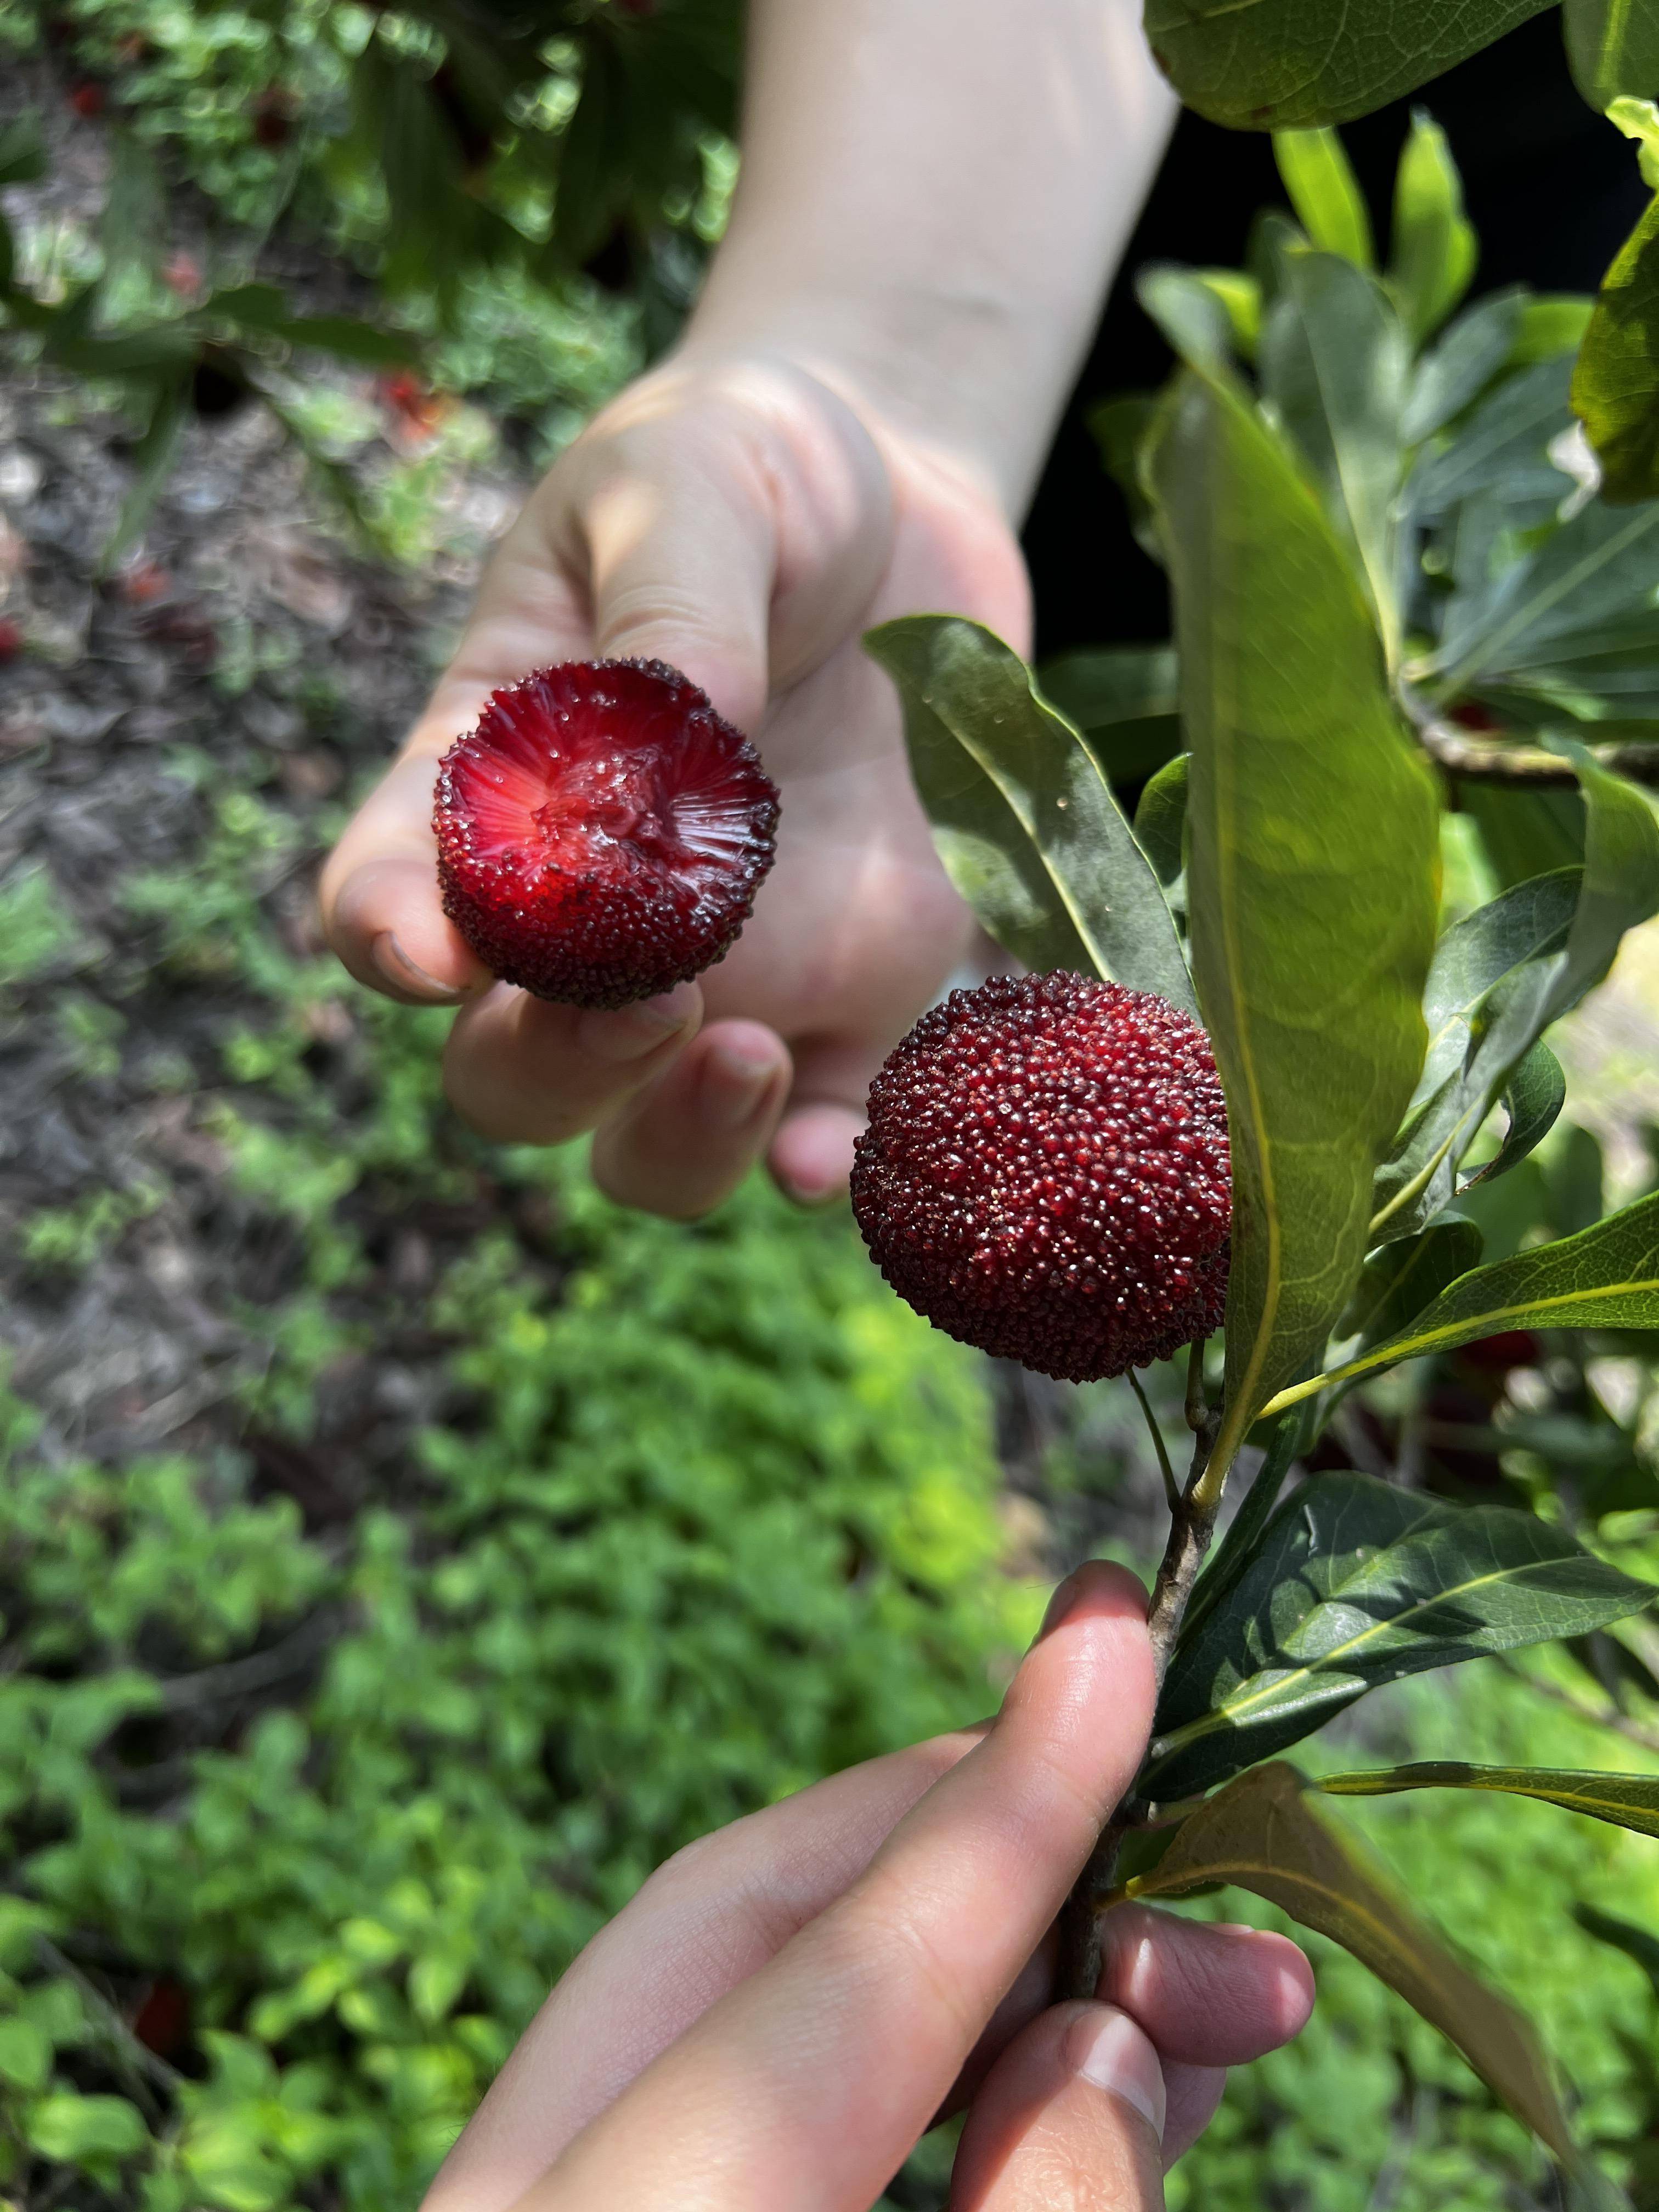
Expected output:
(738, 539)
(1072, 2113)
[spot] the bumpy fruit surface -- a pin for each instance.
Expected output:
(602, 833)
(1045, 1175)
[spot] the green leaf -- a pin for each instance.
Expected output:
(1119, 427)
(1334, 363)
(1615, 387)
(1326, 195)
(1635, 1942)
(1613, 46)
(1263, 1836)
(1125, 700)
(76, 2130)
(1280, 62)
(1312, 836)
(593, 155)
(1521, 925)
(25, 2055)
(1161, 820)
(1551, 324)
(1502, 447)
(1356, 1584)
(1191, 315)
(1023, 816)
(1533, 1099)
(1606, 1277)
(1434, 250)
(1600, 565)
(1454, 374)
(1238, 1544)
(22, 152)
(1396, 1283)
(1627, 1800)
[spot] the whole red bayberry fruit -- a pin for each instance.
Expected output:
(1045, 1175)
(602, 833)
(88, 99)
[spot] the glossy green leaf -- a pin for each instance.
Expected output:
(1615, 387)
(1356, 1584)
(74, 2130)
(1637, 1943)
(1263, 1835)
(1433, 250)
(1606, 1277)
(1325, 192)
(1532, 1099)
(1161, 820)
(1626, 1801)
(1453, 374)
(1551, 324)
(1335, 364)
(1024, 819)
(1190, 314)
(1396, 1283)
(1614, 48)
(1125, 700)
(1312, 836)
(1280, 62)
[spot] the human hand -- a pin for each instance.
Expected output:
(737, 519)
(781, 2012)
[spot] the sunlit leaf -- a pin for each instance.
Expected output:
(1335, 364)
(1626, 1801)
(1606, 1277)
(1355, 1583)
(1161, 820)
(1433, 250)
(1023, 816)
(1615, 387)
(1326, 194)
(1262, 1835)
(1311, 831)
(1280, 62)
(1396, 1283)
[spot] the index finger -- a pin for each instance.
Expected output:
(805, 2089)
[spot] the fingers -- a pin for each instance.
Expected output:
(1207, 1995)
(1072, 2115)
(713, 1916)
(526, 1072)
(686, 1140)
(1193, 2093)
(806, 2086)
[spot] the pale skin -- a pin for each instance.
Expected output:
(781, 2012)
(934, 196)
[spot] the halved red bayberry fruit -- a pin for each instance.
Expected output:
(602, 832)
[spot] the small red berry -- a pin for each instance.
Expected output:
(274, 112)
(182, 273)
(602, 833)
(11, 641)
(1045, 1175)
(88, 99)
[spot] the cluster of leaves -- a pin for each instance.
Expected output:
(472, 164)
(1379, 533)
(302, 1814)
(1311, 64)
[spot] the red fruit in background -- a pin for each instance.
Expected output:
(1045, 1175)
(88, 99)
(602, 833)
(11, 641)
(182, 273)
(161, 2022)
(418, 409)
(274, 113)
(142, 584)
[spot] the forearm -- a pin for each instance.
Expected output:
(934, 195)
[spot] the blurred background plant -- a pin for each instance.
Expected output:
(401, 1551)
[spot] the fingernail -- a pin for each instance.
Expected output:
(735, 1082)
(630, 1032)
(1059, 1606)
(402, 973)
(1104, 2046)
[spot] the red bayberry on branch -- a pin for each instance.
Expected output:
(602, 833)
(88, 99)
(1045, 1175)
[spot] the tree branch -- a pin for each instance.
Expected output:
(1193, 1518)
(1476, 759)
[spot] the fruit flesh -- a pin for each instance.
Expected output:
(602, 833)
